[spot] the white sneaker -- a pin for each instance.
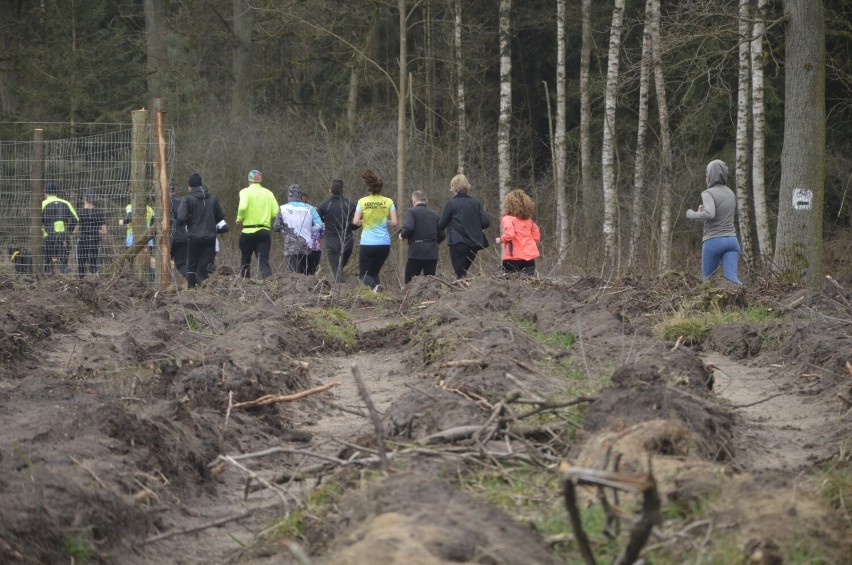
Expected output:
(377, 288)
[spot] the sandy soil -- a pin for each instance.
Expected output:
(121, 444)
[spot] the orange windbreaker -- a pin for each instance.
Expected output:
(519, 238)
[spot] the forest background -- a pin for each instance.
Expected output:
(309, 91)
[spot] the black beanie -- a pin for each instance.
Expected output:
(195, 180)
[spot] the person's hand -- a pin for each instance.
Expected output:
(498, 240)
(400, 237)
(701, 207)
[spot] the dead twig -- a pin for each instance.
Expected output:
(92, 473)
(275, 398)
(194, 529)
(761, 401)
(374, 417)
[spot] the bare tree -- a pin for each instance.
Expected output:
(665, 256)
(560, 152)
(798, 243)
(241, 91)
(586, 104)
(742, 143)
(401, 130)
(610, 192)
(155, 47)
(505, 121)
(461, 119)
(761, 215)
(641, 133)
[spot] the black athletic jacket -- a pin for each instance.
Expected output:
(336, 212)
(464, 219)
(178, 234)
(200, 211)
(420, 228)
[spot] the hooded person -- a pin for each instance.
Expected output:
(202, 215)
(337, 213)
(177, 237)
(717, 210)
(299, 223)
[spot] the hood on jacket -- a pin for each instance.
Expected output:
(200, 192)
(717, 173)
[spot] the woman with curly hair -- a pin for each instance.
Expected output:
(520, 233)
(373, 213)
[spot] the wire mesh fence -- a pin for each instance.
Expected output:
(89, 167)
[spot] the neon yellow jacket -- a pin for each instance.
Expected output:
(258, 207)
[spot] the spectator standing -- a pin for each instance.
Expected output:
(58, 220)
(420, 229)
(298, 222)
(92, 229)
(520, 234)
(373, 213)
(257, 209)
(464, 219)
(202, 215)
(337, 213)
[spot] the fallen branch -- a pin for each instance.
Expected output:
(463, 363)
(212, 524)
(374, 417)
(275, 398)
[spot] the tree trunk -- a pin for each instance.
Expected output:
(8, 71)
(665, 256)
(761, 215)
(241, 91)
(586, 109)
(610, 227)
(460, 93)
(798, 243)
(742, 145)
(401, 129)
(155, 47)
(505, 121)
(559, 141)
(641, 131)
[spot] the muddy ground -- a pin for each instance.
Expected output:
(123, 441)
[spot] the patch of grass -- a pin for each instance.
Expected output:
(562, 340)
(78, 545)
(335, 324)
(836, 487)
(293, 526)
(694, 326)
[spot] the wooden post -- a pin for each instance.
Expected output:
(165, 199)
(37, 188)
(139, 188)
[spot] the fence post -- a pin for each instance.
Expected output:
(37, 188)
(163, 238)
(139, 190)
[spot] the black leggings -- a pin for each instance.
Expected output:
(200, 253)
(87, 256)
(260, 243)
(371, 259)
(462, 257)
(416, 267)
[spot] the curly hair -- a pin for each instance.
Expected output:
(373, 181)
(518, 204)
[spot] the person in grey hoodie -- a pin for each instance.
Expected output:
(717, 209)
(202, 215)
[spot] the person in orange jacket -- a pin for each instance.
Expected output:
(520, 234)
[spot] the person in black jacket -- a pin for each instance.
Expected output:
(464, 219)
(202, 215)
(177, 237)
(336, 212)
(420, 228)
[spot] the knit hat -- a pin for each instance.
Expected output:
(255, 176)
(294, 192)
(195, 180)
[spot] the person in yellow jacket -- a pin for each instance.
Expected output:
(58, 221)
(257, 209)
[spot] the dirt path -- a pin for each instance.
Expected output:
(781, 427)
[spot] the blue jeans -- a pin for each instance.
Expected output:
(725, 250)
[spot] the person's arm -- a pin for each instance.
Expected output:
(507, 226)
(446, 214)
(407, 224)
(536, 233)
(350, 217)
(483, 218)
(707, 209)
(393, 221)
(182, 214)
(317, 221)
(241, 208)
(356, 219)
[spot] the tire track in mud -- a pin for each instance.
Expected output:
(781, 429)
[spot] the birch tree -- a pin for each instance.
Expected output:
(641, 132)
(505, 119)
(586, 105)
(798, 243)
(742, 142)
(665, 251)
(610, 226)
(761, 215)
(401, 130)
(559, 141)
(461, 119)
